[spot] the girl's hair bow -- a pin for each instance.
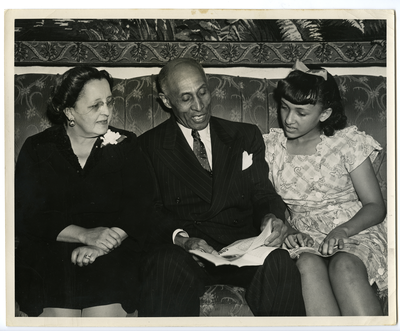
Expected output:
(316, 72)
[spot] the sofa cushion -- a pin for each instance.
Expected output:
(224, 300)
(241, 99)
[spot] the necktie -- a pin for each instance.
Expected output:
(200, 151)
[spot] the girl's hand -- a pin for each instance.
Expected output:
(299, 239)
(336, 238)
(82, 256)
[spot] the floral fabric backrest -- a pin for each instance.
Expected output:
(31, 93)
(233, 98)
(138, 107)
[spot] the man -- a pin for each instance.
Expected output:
(214, 190)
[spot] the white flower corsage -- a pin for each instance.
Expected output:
(112, 138)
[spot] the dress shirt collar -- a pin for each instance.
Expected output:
(205, 137)
(204, 134)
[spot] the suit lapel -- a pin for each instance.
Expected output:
(227, 156)
(180, 159)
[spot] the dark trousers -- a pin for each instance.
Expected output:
(173, 283)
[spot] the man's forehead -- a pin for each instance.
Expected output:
(184, 75)
(186, 67)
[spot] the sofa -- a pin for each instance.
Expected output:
(242, 99)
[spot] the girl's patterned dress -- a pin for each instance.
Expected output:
(320, 195)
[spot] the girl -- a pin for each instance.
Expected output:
(323, 171)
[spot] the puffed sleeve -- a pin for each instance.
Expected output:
(356, 146)
(272, 141)
(268, 147)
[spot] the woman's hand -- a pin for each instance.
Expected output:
(298, 239)
(82, 256)
(336, 238)
(101, 237)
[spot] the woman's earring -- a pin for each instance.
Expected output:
(71, 123)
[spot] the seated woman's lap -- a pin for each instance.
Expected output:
(112, 278)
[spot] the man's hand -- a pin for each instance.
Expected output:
(279, 230)
(194, 243)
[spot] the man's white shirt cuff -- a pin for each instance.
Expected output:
(181, 232)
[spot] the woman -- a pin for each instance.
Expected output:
(82, 195)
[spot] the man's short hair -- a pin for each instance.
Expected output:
(162, 78)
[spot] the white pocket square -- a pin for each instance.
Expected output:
(247, 160)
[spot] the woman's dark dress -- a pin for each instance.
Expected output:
(115, 189)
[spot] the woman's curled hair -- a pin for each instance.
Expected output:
(69, 88)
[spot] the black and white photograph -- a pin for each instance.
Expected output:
(211, 168)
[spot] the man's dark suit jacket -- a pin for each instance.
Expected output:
(220, 209)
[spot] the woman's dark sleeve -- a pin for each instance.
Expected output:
(138, 194)
(39, 213)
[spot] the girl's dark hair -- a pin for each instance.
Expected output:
(69, 88)
(302, 88)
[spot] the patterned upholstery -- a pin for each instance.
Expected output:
(137, 106)
(224, 300)
(241, 99)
